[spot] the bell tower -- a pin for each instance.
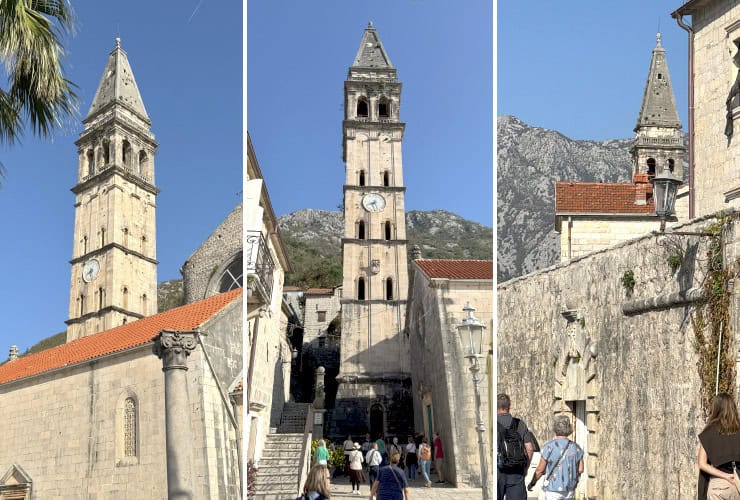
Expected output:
(374, 384)
(659, 141)
(114, 266)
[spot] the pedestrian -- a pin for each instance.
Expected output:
(322, 454)
(439, 458)
(425, 460)
(347, 445)
(373, 459)
(410, 458)
(512, 469)
(317, 485)
(719, 449)
(367, 444)
(391, 483)
(561, 462)
(356, 474)
(396, 448)
(381, 449)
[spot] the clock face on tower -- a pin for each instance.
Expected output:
(373, 202)
(90, 270)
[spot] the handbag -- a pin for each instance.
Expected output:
(547, 480)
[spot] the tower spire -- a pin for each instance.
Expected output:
(658, 103)
(118, 86)
(371, 53)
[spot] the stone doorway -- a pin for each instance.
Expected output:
(376, 420)
(580, 436)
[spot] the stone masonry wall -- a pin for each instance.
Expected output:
(213, 257)
(437, 349)
(643, 407)
(591, 234)
(715, 157)
(312, 327)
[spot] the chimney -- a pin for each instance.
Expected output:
(643, 193)
(13, 355)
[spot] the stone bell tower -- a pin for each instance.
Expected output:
(374, 384)
(114, 266)
(659, 141)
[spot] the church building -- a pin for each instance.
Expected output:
(106, 414)
(591, 216)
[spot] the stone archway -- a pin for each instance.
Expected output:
(377, 420)
(575, 393)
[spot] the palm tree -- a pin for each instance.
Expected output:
(37, 91)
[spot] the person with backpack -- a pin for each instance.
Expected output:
(514, 451)
(425, 461)
(561, 462)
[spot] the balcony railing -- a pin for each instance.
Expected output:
(664, 141)
(260, 266)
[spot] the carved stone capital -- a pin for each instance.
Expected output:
(173, 348)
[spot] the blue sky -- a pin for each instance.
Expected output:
(187, 61)
(298, 56)
(580, 67)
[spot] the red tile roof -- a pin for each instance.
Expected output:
(320, 291)
(137, 333)
(457, 269)
(602, 198)
(292, 288)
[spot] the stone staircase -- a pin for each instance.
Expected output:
(279, 467)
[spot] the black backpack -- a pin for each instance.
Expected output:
(512, 455)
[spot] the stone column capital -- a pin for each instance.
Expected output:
(173, 348)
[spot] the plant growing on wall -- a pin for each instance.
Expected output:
(674, 262)
(711, 322)
(251, 479)
(628, 281)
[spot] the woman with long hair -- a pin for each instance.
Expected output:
(322, 454)
(719, 449)
(317, 485)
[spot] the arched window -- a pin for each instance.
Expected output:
(142, 162)
(102, 236)
(129, 428)
(125, 297)
(143, 304)
(126, 150)
(82, 304)
(106, 152)
(84, 245)
(387, 230)
(90, 162)
(651, 166)
(361, 230)
(362, 108)
(384, 108)
(101, 298)
(232, 278)
(362, 177)
(386, 178)
(389, 289)
(361, 289)
(125, 236)
(671, 164)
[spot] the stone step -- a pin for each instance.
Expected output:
(279, 461)
(280, 495)
(282, 455)
(268, 471)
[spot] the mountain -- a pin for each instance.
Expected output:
(529, 161)
(314, 246)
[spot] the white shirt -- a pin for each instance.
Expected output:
(355, 460)
(411, 448)
(348, 446)
(373, 457)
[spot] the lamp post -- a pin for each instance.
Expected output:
(470, 330)
(665, 186)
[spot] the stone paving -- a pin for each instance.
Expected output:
(341, 488)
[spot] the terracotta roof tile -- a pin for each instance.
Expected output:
(292, 288)
(133, 334)
(320, 291)
(457, 269)
(595, 197)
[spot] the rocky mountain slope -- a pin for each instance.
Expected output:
(530, 160)
(313, 240)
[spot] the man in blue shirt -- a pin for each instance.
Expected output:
(511, 481)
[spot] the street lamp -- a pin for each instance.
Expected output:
(470, 330)
(665, 186)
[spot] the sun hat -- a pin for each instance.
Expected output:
(356, 446)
